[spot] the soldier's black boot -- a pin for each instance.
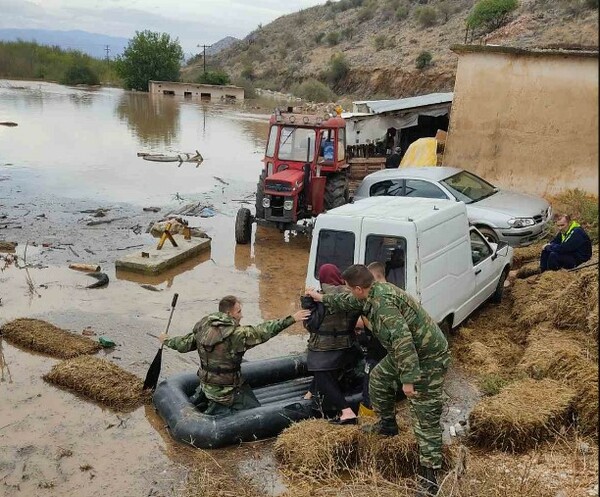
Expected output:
(385, 426)
(427, 482)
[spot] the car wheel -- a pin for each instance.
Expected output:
(496, 297)
(489, 234)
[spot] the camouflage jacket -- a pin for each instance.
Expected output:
(403, 327)
(336, 331)
(236, 340)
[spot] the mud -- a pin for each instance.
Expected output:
(54, 167)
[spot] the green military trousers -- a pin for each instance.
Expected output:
(243, 398)
(426, 407)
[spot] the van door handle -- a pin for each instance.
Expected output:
(477, 271)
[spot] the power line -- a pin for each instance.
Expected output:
(107, 50)
(204, 47)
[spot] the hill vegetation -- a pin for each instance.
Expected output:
(29, 60)
(392, 48)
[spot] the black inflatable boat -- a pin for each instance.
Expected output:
(279, 384)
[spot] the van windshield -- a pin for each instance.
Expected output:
(335, 247)
(469, 188)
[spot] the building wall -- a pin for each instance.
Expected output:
(525, 122)
(195, 90)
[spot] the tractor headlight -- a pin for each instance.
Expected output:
(288, 205)
(266, 203)
(269, 168)
(520, 222)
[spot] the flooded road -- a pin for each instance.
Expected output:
(75, 150)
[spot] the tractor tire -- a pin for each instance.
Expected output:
(260, 193)
(243, 226)
(336, 190)
(489, 234)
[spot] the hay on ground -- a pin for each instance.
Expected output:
(575, 301)
(523, 255)
(41, 336)
(520, 416)
(558, 356)
(528, 270)
(317, 448)
(480, 357)
(101, 381)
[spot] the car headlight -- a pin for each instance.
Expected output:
(520, 222)
(288, 205)
(266, 203)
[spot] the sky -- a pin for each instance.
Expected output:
(194, 22)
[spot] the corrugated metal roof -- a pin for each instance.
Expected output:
(382, 106)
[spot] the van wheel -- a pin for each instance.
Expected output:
(243, 226)
(336, 190)
(489, 234)
(260, 193)
(496, 297)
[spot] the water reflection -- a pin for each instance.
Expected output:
(153, 118)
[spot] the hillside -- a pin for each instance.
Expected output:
(381, 40)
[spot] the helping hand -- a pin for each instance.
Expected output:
(162, 337)
(316, 296)
(301, 315)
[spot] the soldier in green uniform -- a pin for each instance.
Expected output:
(417, 360)
(221, 343)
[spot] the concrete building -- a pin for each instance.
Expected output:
(526, 119)
(205, 93)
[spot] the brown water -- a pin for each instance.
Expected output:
(75, 150)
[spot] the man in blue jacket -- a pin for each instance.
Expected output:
(569, 248)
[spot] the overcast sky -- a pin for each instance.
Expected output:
(194, 22)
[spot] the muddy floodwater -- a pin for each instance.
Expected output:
(74, 150)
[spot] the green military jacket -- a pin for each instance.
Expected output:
(410, 336)
(337, 330)
(236, 340)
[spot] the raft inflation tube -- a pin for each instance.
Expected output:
(279, 384)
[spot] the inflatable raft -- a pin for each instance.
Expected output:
(279, 384)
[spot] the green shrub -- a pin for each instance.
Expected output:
(445, 9)
(80, 73)
(402, 11)
(248, 73)
(367, 12)
(426, 16)
(332, 38)
(423, 60)
(379, 42)
(216, 77)
(348, 32)
(491, 14)
(314, 91)
(338, 69)
(492, 384)
(319, 37)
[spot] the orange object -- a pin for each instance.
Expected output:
(166, 235)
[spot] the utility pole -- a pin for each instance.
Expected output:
(107, 50)
(204, 47)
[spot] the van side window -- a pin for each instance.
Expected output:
(335, 247)
(391, 252)
(388, 188)
(480, 250)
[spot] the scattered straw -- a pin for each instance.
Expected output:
(41, 336)
(523, 255)
(558, 356)
(523, 414)
(528, 270)
(100, 380)
(575, 301)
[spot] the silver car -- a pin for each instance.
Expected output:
(501, 215)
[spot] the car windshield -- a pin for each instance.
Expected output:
(469, 188)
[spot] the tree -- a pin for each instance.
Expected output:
(149, 56)
(80, 73)
(216, 77)
(338, 69)
(490, 14)
(423, 60)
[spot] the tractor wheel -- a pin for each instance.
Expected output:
(243, 226)
(336, 190)
(260, 193)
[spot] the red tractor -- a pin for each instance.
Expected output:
(305, 173)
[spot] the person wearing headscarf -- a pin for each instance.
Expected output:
(331, 347)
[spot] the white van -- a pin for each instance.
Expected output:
(426, 245)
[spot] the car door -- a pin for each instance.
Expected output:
(484, 269)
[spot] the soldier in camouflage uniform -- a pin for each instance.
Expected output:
(417, 360)
(221, 343)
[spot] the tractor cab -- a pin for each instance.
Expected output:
(304, 172)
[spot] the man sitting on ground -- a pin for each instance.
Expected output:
(569, 248)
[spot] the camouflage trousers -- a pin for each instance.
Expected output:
(243, 398)
(425, 408)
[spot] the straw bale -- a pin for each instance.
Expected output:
(592, 321)
(480, 357)
(316, 447)
(101, 381)
(558, 356)
(528, 270)
(41, 336)
(573, 304)
(530, 253)
(520, 416)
